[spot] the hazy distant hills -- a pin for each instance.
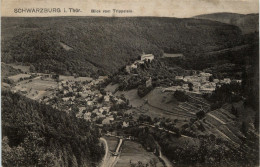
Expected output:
(248, 23)
(100, 45)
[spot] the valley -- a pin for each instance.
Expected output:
(117, 112)
(130, 92)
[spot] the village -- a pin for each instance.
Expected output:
(87, 101)
(81, 96)
(115, 112)
(85, 97)
(199, 84)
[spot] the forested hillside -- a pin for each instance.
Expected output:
(103, 45)
(229, 62)
(248, 23)
(7, 70)
(37, 135)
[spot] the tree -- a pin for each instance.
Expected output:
(256, 121)
(211, 79)
(48, 159)
(104, 112)
(143, 90)
(74, 162)
(180, 96)
(244, 128)
(25, 143)
(234, 111)
(93, 115)
(32, 68)
(200, 114)
(99, 121)
(190, 86)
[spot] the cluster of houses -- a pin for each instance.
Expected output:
(84, 97)
(144, 57)
(200, 83)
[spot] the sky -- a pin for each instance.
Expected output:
(160, 8)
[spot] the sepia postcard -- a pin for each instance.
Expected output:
(129, 83)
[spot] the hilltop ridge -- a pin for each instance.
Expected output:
(104, 45)
(248, 23)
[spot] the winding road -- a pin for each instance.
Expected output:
(106, 148)
(166, 161)
(115, 158)
(108, 160)
(168, 131)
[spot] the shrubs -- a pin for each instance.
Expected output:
(143, 90)
(200, 114)
(181, 96)
(8, 81)
(145, 118)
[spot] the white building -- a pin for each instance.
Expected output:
(139, 62)
(90, 103)
(196, 86)
(185, 86)
(66, 99)
(216, 80)
(125, 124)
(179, 77)
(107, 98)
(133, 66)
(203, 79)
(238, 81)
(108, 120)
(204, 74)
(225, 81)
(128, 69)
(147, 57)
(196, 83)
(87, 116)
(206, 90)
(170, 89)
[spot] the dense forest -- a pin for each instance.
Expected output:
(225, 63)
(248, 23)
(103, 45)
(34, 134)
(200, 152)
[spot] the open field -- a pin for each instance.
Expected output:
(141, 107)
(21, 67)
(5, 86)
(72, 78)
(158, 104)
(36, 88)
(134, 152)
(223, 125)
(132, 96)
(16, 78)
(166, 105)
(172, 55)
(111, 88)
(157, 98)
